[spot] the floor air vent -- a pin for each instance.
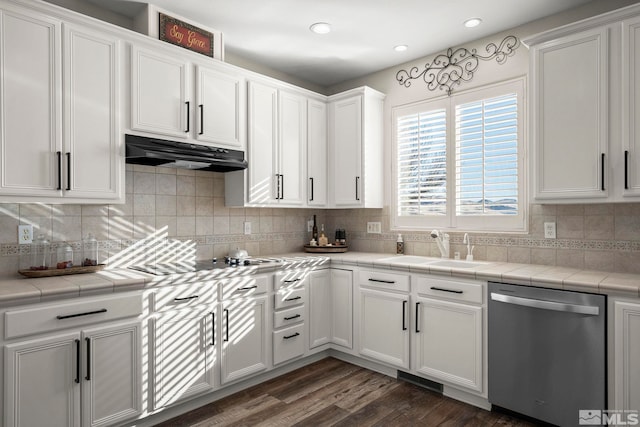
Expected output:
(422, 382)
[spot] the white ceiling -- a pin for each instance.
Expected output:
(276, 33)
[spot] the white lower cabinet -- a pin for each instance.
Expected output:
(244, 338)
(384, 327)
(184, 354)
(627, 355)
(448, 337)
(331, 308)
(53, 380)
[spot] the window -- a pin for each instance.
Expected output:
(459, 161)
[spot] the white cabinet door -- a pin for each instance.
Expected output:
(448, 342)
(384, 322)
(244, 338)
(631, 106)
(262, 144)
(91, 104)
(570, 117)
(112, 374)
(320, 308)
(317, 153)
(42, 382)
(160, 88)
(292, 143)
(221, 106)
(346, 150)
(627, 355)
(342, 303)
(30, 104)
(184, 355)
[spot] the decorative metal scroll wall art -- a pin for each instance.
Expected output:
(456, 66)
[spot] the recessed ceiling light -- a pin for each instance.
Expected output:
(320, 28)
(401, 48)
(472, 22)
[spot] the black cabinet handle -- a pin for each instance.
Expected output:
(277, 186)
(213, 329)
(453, 291)
(291, 281)
(186, 298)
(88, 376)
(77, 378)
(311, 198)
(293, 299)
(288, 337)
(59, 154)
(417, 317)
(201, 119)
(88, 313)
(188, 115)
(282, 187)
(226, 315)
(68, 171)
(357, 182)
(602, 169)
(247, 288)
(292, 317)
(382, 281)
(626, 169)
(404, 315)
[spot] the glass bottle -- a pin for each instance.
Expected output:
(314, 232)
(40, 253)
(89, 251)
(64, 256)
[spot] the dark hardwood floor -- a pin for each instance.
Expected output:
(331, 392)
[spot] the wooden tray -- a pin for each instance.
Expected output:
(61, 271)
(333, 249)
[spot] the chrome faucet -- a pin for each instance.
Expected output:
(442, 240)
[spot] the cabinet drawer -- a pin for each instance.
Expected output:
(288, 344)
(389, 281)
(52, 317)
(455, 290)
(289, 297)
(175, 297)
(288, 279)
(245, 286)
(288, 317)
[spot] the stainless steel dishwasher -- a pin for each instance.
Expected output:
(547, 352)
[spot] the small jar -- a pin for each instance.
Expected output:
(40, 253)
(89, 251)
(64, 256)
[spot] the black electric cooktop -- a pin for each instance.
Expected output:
(164, 269)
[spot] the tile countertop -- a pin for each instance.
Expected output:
(15, 290)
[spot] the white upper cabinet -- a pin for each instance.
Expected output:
(30, 96)
(60, 112)
(355, 149)
(584, 141)
(221, 107)
(631, 105)
(160, 89)
(276, 152)
(163, 101)
(316, 153)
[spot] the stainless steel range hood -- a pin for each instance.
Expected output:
(141, 150)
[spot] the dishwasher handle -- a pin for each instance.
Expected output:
(546, 305)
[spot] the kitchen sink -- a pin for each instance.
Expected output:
(408, 259)
(454, 263)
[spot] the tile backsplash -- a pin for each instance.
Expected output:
(169, 212)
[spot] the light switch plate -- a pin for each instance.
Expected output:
(549, 230)
(25, 234)
(374, 227)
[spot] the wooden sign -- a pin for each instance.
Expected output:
(185, 35)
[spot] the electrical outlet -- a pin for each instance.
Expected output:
(25, 234)
(310, 226)
(549, 230)
(374, 227)
(247, 227)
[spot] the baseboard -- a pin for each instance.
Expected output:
(465, 397)
(364, 363)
